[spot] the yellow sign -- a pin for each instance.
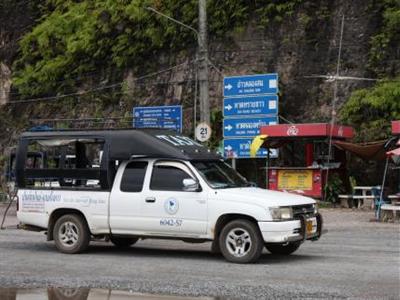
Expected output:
(295, 179)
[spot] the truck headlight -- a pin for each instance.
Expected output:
(315, 206)
(281, 213)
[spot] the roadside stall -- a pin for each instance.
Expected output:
(304, 157)
(394, 154)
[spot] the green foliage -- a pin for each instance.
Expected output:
(385, 44)
(353, 182)
(216, 118)
(371, 110)
(276, 10)
(77, 37)
(333, 188)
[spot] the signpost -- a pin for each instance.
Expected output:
(251, 85)
(253, 105)
(250, 101)
(246, 127)
(239, 148)
(167, 117)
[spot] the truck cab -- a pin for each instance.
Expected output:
(157, 184)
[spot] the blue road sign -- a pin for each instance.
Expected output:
(240, 148)
(246, 127)
(167, 117)
(256, 105)
(250, 85)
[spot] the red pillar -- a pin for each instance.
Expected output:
(309, 154)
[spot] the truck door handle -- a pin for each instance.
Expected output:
(150, 199)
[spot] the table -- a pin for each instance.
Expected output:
(366, 194)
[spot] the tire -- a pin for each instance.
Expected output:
(240, 242)
(283, 249)
(71, 234)
(123, 242)
(56, 293)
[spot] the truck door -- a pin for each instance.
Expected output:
(126, 197)
(169, 209)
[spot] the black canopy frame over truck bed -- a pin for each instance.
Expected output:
(116, 145)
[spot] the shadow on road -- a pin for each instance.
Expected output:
(201, 254)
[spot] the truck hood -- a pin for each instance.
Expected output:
(263, 197)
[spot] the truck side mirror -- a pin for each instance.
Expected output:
(190, 185)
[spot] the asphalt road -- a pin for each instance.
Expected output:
(356, 259)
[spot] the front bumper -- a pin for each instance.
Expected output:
(300, 229)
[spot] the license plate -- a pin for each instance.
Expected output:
(309, 226)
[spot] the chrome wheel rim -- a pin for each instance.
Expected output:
(68, 234)
(68, 293)
(238, 242)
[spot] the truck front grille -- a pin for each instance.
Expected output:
(303, 210)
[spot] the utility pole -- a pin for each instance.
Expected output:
(202, 58)
(203, 64)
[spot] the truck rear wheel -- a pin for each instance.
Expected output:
(282, 248)
(123, 242)
(71, 234)
(240, 242)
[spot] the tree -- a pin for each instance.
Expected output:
(371, 110)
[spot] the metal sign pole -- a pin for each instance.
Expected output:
(267, 169)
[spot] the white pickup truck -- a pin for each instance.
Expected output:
(156, 184)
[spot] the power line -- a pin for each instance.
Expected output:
(76, 79)
(89, 75)
(94, 89)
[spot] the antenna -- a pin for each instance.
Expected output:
(331, 78)
(335, 78)
(333, 112)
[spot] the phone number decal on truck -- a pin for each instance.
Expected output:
(171, 222)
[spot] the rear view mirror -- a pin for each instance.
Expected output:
(190, 185)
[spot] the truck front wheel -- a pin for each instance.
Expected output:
(282, 248)
(240, 242)
(71, 234)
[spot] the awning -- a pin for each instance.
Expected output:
(314, 130)
(367, 151)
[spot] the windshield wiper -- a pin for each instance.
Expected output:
(229, 185)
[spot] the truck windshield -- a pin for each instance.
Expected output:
(220, 175)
